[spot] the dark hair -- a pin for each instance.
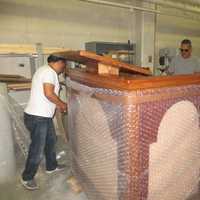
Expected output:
(53, 58)
(186, 41)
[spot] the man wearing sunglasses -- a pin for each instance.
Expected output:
(184, 63)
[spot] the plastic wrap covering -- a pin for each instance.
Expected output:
(139, 145)
(7, 157)
(16, 113)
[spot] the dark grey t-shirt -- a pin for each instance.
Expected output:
(179, 65)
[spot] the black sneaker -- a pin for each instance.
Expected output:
(30, 185)
(58, 168)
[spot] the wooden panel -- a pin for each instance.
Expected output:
(107, 69)
(86, 57)
(75, 56)
(135, 83)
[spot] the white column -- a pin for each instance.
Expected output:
(145, 39)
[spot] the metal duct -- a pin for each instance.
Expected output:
(187, 5)
(121, 5)
(189, 11)
(184, 5)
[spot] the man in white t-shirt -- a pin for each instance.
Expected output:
(38, 118)
(184, 63)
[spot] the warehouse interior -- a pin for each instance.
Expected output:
(131, 130)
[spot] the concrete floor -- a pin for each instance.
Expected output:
(52, 187)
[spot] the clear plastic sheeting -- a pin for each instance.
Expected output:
(7, 156)
(11, 130)
(16, 114)
(175, 155)
(135, 145)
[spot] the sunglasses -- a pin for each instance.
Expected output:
(184, 50)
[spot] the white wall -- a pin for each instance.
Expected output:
(63, 23)
(148, 47)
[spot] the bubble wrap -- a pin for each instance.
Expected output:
(139, 145)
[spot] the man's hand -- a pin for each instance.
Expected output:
(62, 107)
(51, 96)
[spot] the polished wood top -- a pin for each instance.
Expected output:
(131, 83)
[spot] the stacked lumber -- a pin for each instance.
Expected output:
(10, 78)
(15, 82)
(26, 49)
(19, 86)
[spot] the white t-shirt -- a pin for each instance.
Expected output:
(180, 65)
(38, 104)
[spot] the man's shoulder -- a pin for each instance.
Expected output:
(45, 69)
(179, 58)
(195, 58)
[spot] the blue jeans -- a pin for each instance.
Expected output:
(43, 141)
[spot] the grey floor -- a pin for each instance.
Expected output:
(52, 187)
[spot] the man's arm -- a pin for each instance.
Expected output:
(51, 96)
(197, 66)
(171, 68)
